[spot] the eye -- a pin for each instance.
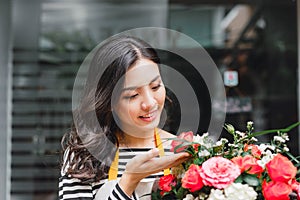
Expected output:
(156, 87)
(131, 96)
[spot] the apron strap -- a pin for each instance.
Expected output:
(113, 170)
(160, 147)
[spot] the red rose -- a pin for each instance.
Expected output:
(296, 187)
(192, 179)
(280, 168)
(196, 146)
(187, 136)
(248, 164)
(254, 150)
(166, 182)
(276, 190)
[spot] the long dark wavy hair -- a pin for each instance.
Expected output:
(84, 144)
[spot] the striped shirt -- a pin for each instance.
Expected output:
(72, 188)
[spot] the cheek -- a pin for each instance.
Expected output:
(161, 96)
(133, 110)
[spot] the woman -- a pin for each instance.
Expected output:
(127, 101)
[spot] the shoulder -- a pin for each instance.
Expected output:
(164, 135)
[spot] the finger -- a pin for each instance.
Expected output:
(171, 160)
(147, 156)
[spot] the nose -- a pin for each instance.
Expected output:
(148, 101)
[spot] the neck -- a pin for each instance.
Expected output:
(131, 141)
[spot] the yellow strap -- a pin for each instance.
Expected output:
(160, 147)
(113, 170)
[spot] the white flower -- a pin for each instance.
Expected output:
(200, 139)
(286, 149)
(264, 147)
(189, 197)
(203, 153)
(203, 140)
(279, 139)
(233, 145)
(250, 123)
(238, 191)
(218, 143)
(216, 194)
(285, 136)
(266, 158)
(224, 140)
(241, 134)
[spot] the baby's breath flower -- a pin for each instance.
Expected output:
(285, 136)
(200, 139)
(241, 134)
(238, 191)
(202, 196)
(268, 155)
(279, 139)
(224, 140)
(254, 139)
(218, 143)
(286, 149)
(203, 153)
(264, 147)
(189, 197)
(250, 123)
(216, 194)
(233, 145)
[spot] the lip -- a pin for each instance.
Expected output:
(149, 117)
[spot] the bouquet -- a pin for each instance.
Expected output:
(242, 169)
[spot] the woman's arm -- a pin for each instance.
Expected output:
(143, 165)
(73, 188)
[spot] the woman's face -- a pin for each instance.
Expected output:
(142, 99)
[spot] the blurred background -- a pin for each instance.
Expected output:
(43, 42)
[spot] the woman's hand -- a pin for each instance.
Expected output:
(143, 165)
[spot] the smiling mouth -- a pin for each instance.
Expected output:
(149, 117)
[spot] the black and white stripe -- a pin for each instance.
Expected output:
(72, 188)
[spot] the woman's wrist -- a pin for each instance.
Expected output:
(128, 183)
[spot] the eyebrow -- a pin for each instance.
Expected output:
(134, 87)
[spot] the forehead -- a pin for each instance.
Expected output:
(141, 73)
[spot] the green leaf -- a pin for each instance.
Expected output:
(251, 180)
(239, 179)
(181, 193)
(289, 128)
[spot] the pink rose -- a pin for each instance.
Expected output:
(192, 179)
(187, 136)
(219, 172)
(280, 168)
